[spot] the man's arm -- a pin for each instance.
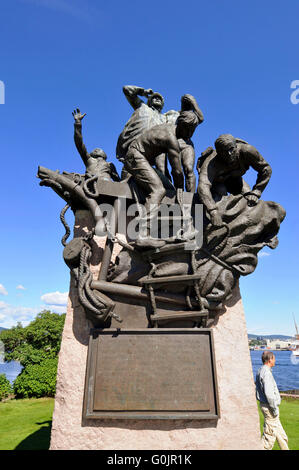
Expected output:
(113, 173)
(131, 93)
(189, 103)
(78, 135)
(259, 164)
(269, 392)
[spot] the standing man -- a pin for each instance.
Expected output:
(268, 395)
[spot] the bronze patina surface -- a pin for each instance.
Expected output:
(153, 373)
(181, 250)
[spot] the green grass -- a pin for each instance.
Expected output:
(26, 424)
(289, 418)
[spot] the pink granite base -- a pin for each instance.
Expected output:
(237, 428)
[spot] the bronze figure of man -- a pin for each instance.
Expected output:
(148, 115)
(164, 138)
(95, 161)
(221, 171)
(145, 116)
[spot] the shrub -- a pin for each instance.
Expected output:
(36, 347)
(5, 387)
(36, 342)
(37, 380)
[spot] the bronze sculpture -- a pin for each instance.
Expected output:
(176, 279)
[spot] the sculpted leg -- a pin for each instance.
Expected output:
(149, 182)
(188, 160)
(161, 165)
(145, 177)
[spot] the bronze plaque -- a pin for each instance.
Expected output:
(152, 373)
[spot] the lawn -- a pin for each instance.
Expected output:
(289, 418)
(26, 424)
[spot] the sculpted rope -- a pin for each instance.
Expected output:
(67, 228)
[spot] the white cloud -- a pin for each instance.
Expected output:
(20, 287)
(263, 253)
(10, 314)
(3, 291)
(55, 298)
(55, 308)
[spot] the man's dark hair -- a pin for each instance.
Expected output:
(222, 142)
(267, 356)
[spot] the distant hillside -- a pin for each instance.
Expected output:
(270, 337)
(2, 328)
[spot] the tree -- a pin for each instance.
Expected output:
(5, 387)
(37, 380)
(38, 341)
(36, 347)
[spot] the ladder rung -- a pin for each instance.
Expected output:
(180, 315)
(169, 279)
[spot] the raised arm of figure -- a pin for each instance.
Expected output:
(78, 135)
(131, 92)
(189, 103)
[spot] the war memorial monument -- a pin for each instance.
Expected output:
(154, 353)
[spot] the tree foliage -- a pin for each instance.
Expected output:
(36, 342)
(36, 347)
(5, 387)
(37, 380)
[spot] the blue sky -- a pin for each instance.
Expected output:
(237, 58)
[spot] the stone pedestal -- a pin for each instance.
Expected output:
(237, 428)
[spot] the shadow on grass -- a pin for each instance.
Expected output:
(39, 440)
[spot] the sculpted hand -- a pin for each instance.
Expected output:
(148, 92)
(252, 199)
(216, 218)
(77, 115)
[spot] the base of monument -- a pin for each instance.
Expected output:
(236, 428)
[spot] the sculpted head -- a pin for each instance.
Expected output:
(156, 101)
(98, 153)
(226, 147)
